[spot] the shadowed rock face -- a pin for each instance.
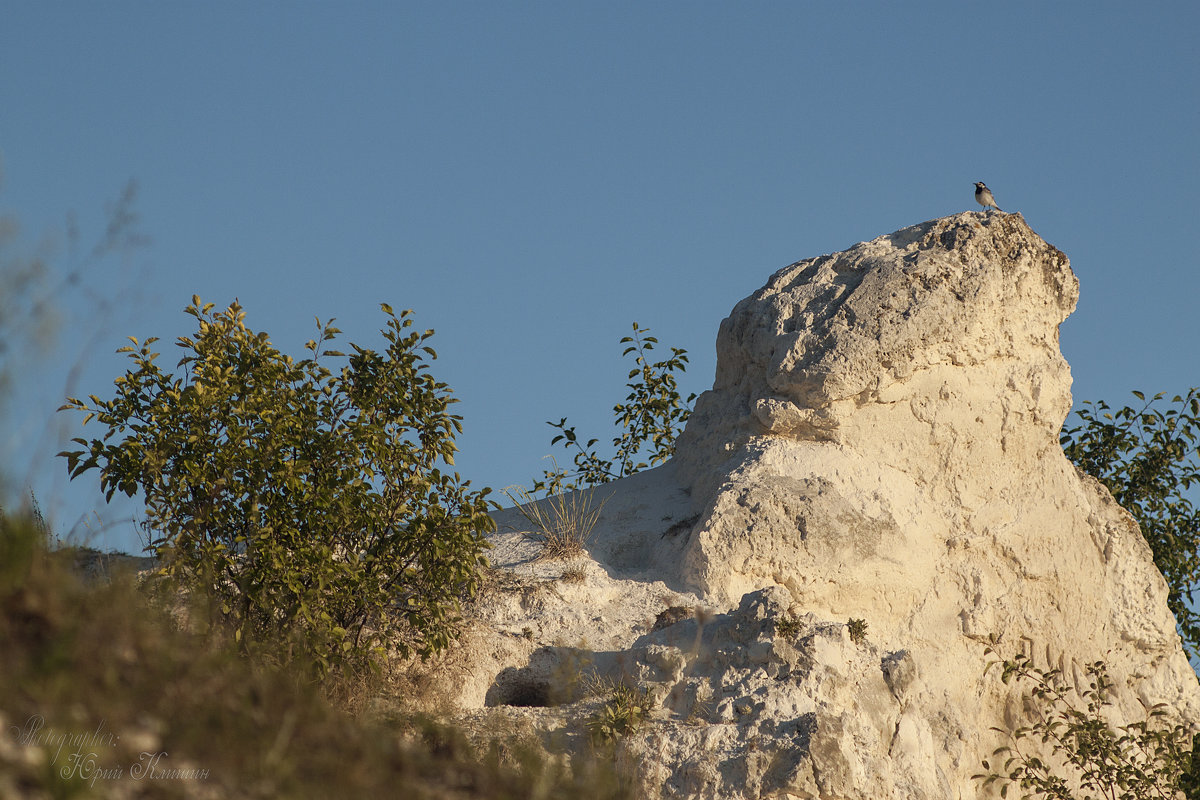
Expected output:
(880, 444)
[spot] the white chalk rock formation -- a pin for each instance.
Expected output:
(882, 440)
(880, 444)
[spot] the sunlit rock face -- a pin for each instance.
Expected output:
(882, 440)
(873, 408)
(880, 445)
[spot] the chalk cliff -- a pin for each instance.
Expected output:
(880, 444)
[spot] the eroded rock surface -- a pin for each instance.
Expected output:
(880, 444)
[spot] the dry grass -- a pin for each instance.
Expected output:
(99, 683)
(576, 573)
(561, 522)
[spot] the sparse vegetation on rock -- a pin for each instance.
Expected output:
(649, 420)
(561, 522)
(624, 709)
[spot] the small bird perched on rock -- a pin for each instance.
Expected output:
(983, 196)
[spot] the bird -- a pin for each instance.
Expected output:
(983, 196)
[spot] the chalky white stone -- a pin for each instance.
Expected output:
(880, 443)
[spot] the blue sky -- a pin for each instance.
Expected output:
(531, 178)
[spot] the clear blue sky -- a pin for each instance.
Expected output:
(531, 178)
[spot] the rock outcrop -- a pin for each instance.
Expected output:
(880, 445)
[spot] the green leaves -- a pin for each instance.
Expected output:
(309, 502)
(650, 419)
(1071, 750)
(624, 709)
(1147, 457)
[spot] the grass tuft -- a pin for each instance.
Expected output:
(562, 522)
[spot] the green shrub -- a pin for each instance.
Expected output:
(1070, 751)
(650, 419)
(788, 627)
(306, 504)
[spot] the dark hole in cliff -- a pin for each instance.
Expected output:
(528, 695)
(517, 687)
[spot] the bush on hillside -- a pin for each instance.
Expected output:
(307, 504)
(105, 697)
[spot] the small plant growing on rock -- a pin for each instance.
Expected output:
(1088, 757)
(574, 574)
(702, 705)
(651, 417)
(624, 710)
(561, 522)
(858, 630)
(787, 627)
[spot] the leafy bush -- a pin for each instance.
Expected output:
(1087, 756)
(308, 504)
(1148, 459)
(650, 419)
